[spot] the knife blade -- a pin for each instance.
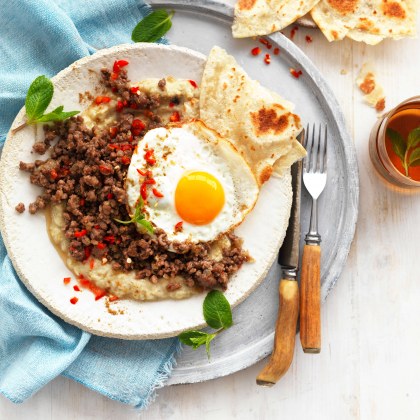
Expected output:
(285, 334)
(289, 252)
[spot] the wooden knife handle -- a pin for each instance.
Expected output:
(310, 299)
(284, 340)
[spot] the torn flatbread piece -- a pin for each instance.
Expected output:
(366, 21)
(374, 92)
(262, 17)
(259, 122)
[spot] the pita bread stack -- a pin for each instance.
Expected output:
(369, 21)
(262, 17)
(257, 121)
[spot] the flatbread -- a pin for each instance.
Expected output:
(374, 94)
(367, 21)
(262, 17)
(260, 123)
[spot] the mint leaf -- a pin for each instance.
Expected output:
(398, 144)
(38, 98)
(138, 218)
(196, 339)
(152, 27)
(193, 338)
(57, 115)
(414, 158)
(413, 138)
(146, 224)
(208, 341)
(216, 310)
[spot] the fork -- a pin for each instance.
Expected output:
(314, 179)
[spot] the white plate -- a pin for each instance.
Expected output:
(40, 267)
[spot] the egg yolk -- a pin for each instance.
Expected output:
(199, 197)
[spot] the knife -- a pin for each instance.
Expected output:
(284, 339)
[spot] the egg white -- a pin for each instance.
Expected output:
(181, 149)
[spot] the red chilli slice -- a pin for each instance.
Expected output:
(138, 124)
(179, 226)
(74, 300)
(142, 173)
(149, 158)
(194, 84)
(109, 238)
(104, 169)
(157, 193)
(120, 106)
(266, 43)
(125, 160)
(87, 250)
(113, 131)
(67, 280)
(276, 51)
(175, 117)
(256, 51)
(101, 245)
(80, 233)
(143, 191)
(118, 64)
(134, 89)
(76, 288)
(267, 59)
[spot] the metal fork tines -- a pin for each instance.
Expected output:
(315, 174)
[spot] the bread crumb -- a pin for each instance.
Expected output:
(373, 92)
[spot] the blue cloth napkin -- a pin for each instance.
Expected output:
(43, 37)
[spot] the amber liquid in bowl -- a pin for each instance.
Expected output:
(403, 119)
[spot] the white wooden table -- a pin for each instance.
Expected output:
(369, 367)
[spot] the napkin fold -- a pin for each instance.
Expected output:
(43, 37)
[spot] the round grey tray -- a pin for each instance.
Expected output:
(201, 24)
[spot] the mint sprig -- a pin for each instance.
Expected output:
(218, 315)
(138, 217)
(407, 150)
(37, 100)
(152, 27)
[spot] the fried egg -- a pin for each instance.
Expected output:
(194, 183)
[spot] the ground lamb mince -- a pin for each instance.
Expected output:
(83, 188)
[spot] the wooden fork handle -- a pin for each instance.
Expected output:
(284, 340)
(310, 299)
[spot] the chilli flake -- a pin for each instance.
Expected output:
(293, 32)
(295, 73)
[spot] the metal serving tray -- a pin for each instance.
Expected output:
(201, 24)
